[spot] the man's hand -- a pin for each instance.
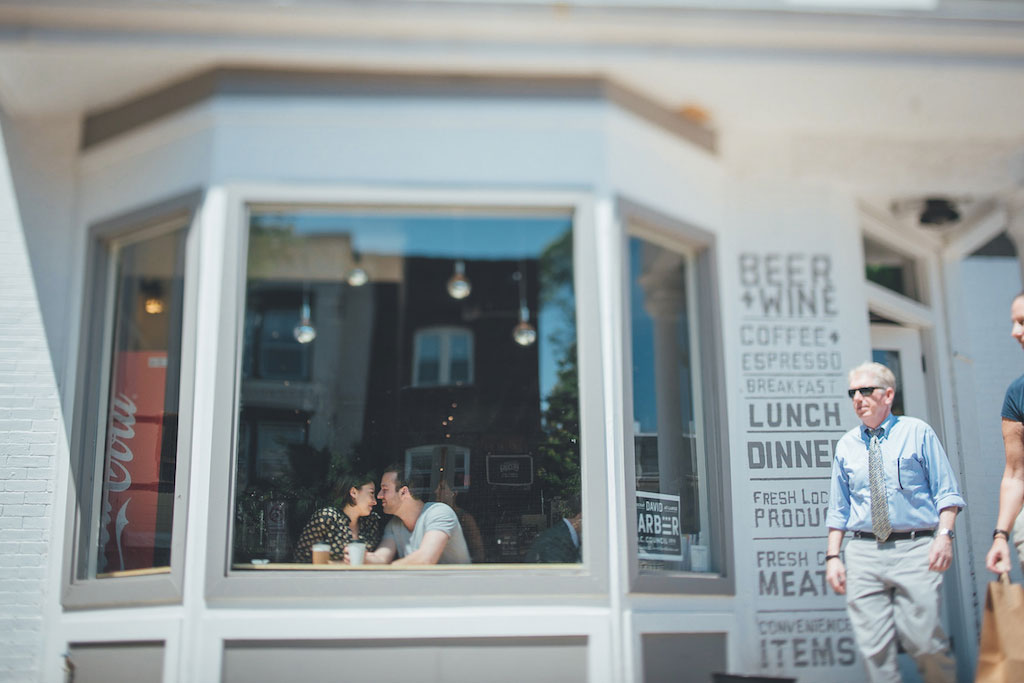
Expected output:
(1011, 495)
(384, 554)
(835, 573)
(998, 559)
(941, 554)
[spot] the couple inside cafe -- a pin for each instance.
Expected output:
(392, 525)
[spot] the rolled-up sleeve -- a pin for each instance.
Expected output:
(941, 478)
(839, 493)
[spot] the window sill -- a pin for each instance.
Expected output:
(338, 566)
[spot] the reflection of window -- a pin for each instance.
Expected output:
(272, 445)
(670, 465)
(272, 351)
(886, 267)
(890, 358)
(443, 357)
(646, 450)
(281, 356)
(427, 466)
(128, 433)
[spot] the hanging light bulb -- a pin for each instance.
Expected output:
(304, 332)
(459, 286)
(357, 277)
(524, 333)
(154, 305)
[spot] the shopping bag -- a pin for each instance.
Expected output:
(1001, 655)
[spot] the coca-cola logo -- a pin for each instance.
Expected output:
(122, 430)
(119, 478)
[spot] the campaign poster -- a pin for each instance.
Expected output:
(659, 533)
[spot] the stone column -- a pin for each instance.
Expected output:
(665, 301)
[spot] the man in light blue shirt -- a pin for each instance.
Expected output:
(902, 535)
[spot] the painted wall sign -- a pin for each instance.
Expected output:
(793, 379)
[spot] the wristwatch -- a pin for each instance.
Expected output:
(947, 532)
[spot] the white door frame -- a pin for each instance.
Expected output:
(906, 341)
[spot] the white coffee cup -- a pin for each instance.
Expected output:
(356, 552)
(700, 558)
(321, 553)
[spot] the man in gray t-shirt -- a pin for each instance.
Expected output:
(418, 533)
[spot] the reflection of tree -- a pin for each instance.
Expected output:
(559, 468)
(272, 238)
(308, 482)
(556, 287)
(305, 485)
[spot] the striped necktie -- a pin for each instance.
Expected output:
(880, 524)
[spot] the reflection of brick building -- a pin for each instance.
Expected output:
(480, 397)
(399, 371)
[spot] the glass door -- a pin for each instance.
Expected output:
(899, 349)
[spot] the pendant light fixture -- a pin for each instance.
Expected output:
(459, 286)
(357, 277)
(304, 332)
(523, 333)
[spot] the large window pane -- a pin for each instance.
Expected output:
(671, 482)
(137, 491)
(442, 341)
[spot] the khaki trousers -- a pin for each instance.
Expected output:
(891, 592)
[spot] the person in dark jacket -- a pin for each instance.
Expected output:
(561, 542)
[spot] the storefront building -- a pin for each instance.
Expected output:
(253, 251)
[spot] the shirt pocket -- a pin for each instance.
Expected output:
(910, 473)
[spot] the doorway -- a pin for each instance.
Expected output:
(899, 349)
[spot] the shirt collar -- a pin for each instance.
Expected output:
(572, 532)
(886, 426)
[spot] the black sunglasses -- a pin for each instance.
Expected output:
(864, 391)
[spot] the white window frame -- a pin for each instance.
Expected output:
(159, 585)
(698, 247)
(227, 584)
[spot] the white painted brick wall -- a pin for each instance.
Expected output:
(989, 284)
(30, 432)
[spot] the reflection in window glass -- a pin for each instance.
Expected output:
(671, 495)
(428, 360)
(886, 267)
(136, 501)
(891, 359)
(459, 359)
(443, 356)
(414, 362)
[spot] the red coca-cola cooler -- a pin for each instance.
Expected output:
(129, 533)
